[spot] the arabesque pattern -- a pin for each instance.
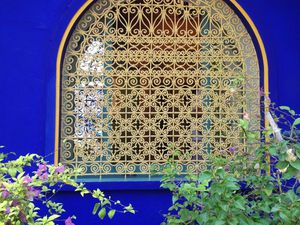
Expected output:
(141, 75)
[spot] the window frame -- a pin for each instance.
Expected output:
(237, 8)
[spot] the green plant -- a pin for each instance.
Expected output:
(27, 180)
(244, 190)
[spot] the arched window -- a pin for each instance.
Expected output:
(137, 76)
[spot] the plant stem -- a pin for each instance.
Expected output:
(279, 183)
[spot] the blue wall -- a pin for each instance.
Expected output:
(30, 33)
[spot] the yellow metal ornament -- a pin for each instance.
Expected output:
(140, 75)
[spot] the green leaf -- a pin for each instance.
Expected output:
(206, 175)
(102, 213)
(220, 172)
(239, 204)
(292, 112)
(232, 186)
(283, 107)
(12, 172)
(53, 217)
(273, 150)
(296, 164)
(96, 207)
(291, 172)
(291, 195)
(174, 199)
(219, 222)
(45, 189)
(111, 213)
(296, 122)
(225, 207)
(106, 202)
(268, 191)
(283, 216)
(282, 165)
(129, 209)
(203, 218)
(83, 192)
(276, 208)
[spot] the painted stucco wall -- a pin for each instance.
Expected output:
(30, 33)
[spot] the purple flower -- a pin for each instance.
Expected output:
(5, 194)
(27, 179)
(60, 169)
(7, 211)
(44, 176)
(15, 203)
(232, 150)
(68, 221)
(22, 217)
(41, 168)
(32, 193)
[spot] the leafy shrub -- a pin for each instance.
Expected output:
(245, 190)
(29, 180)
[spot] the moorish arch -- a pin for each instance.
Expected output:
(138, 76)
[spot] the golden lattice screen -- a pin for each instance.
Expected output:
(140, 75)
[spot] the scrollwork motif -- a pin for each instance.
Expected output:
(139, 75)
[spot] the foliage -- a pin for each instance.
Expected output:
(243, 190)
(28, 181)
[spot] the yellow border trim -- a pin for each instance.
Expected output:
(262, 49)
(77, 15)
(265, 65)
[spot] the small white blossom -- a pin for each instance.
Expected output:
(290, 155)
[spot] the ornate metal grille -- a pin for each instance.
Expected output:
(139, 75)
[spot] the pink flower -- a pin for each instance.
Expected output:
(246, 116)
(27, 179)
(44, 176)
(60, 169)
(5, 194)
(68, 221)
(42, 168)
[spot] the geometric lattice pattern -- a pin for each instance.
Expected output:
(141, 75)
